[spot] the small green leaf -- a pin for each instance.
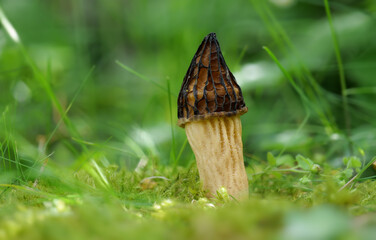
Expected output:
(347, 173)
(304, 163)
(345, 160)
(285, 160)
(361, 151)
(352, 162)
(355, 162)
(271, 159)
(304, 180)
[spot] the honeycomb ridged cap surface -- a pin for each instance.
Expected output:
(209, 88)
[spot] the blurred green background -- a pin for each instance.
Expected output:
(132, 52)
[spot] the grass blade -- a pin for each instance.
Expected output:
(130, 70)
(171, 126)
(340, 70)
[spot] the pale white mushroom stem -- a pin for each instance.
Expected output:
(218, 147)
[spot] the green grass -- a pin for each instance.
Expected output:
(90, 149)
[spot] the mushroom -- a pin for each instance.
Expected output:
(210, 103)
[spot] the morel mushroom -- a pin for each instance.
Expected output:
(210, 103)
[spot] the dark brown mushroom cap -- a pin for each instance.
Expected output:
(209, 89)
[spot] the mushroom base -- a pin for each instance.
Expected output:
(218, 147)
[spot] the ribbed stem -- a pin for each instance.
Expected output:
(218, 147)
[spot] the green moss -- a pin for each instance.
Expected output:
(175, 208)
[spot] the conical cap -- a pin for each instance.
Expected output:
(209, 88)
